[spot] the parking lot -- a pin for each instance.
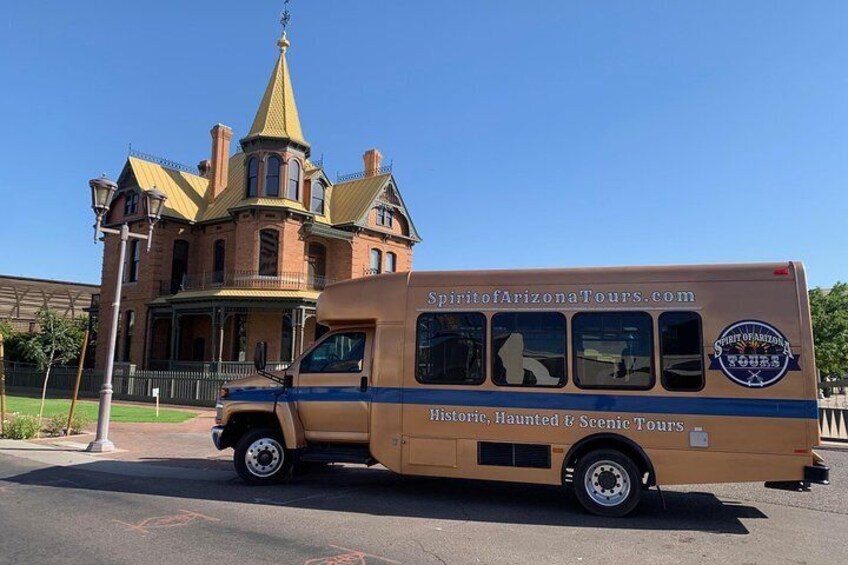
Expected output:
(62, 506)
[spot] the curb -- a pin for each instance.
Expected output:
(73, 457)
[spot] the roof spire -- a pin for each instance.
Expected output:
(285, 18)
(277, 115)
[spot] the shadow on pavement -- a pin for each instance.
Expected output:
(379, 492)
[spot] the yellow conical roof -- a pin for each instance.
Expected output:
(277, 114)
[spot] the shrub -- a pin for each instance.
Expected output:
(57, 424)
(21, 426)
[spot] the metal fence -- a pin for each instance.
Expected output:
(188, 387)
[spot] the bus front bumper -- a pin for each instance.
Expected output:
(217, 437)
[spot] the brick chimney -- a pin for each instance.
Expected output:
(372, 159)
(219, 167)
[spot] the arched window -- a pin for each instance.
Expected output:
(269, 245)
(252, 176)
(391, 262)
(218, 261)
(128, 334)
(317, 204)
(134, 259)
(376, 266)
(294, 180)
(272, 176)
(316, 266)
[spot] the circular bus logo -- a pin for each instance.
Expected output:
(753, 354)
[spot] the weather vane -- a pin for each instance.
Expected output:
(285, 16)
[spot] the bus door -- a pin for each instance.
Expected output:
(334, 388)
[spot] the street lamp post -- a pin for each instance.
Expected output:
(102, 192)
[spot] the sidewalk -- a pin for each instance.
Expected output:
(182, 451)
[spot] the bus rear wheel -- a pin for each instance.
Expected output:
(260, 457)
(607, 483)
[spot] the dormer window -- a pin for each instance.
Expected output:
(252, 177)
(272, 177)
(131, 203)
(294, 180)
(317, 204)
(384, 217)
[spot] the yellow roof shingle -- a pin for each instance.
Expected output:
(185, 191)
(277, 114)
(351, 200)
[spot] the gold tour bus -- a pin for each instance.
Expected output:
(606, 381)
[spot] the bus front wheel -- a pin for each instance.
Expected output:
(607, 483)
(261, 458)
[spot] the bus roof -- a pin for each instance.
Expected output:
(383, 297)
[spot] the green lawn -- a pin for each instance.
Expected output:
(88, 408)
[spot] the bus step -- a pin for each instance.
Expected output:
(338, 455)
(793, 486)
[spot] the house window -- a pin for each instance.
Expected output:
(131, 203)
(384, 216)
(134, 259)
(252, 176)
(269, 244)
(376, 266)
(287, 339)
(391, 262)
(316, 266)
(129, 326)
(218, 261)
(450, 348)
(294, 180)
(179, 265)
(272, 177)
(317, 204)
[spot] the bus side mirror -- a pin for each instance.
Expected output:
(260, 356)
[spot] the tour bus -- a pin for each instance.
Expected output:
(605, 381)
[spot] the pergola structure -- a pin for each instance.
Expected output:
(21, 298)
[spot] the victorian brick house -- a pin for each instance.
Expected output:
(247, 242)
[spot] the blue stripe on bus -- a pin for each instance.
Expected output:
(706, 406)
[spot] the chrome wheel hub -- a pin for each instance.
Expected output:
(607, 483)
(264, 457)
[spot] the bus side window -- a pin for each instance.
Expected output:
(613, 350)
(450, 348)
(681, 351)
(528, 349)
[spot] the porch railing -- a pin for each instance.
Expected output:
(247, 280)
(227, 368)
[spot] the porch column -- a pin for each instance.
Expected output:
(222, 321)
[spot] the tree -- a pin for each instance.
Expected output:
(57, 341)
(830, 330)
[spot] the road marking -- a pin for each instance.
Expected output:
(184, 518)
(349, 557)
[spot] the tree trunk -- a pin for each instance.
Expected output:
(44, 395)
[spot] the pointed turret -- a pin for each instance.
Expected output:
(277, 116)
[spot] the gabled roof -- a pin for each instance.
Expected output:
(277, 115)
(185, 191)
(352, 200)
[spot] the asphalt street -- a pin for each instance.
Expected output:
(89, 513)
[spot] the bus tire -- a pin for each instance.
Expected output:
(261, 458)
(607, 483)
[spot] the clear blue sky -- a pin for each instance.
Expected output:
(523, 134)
